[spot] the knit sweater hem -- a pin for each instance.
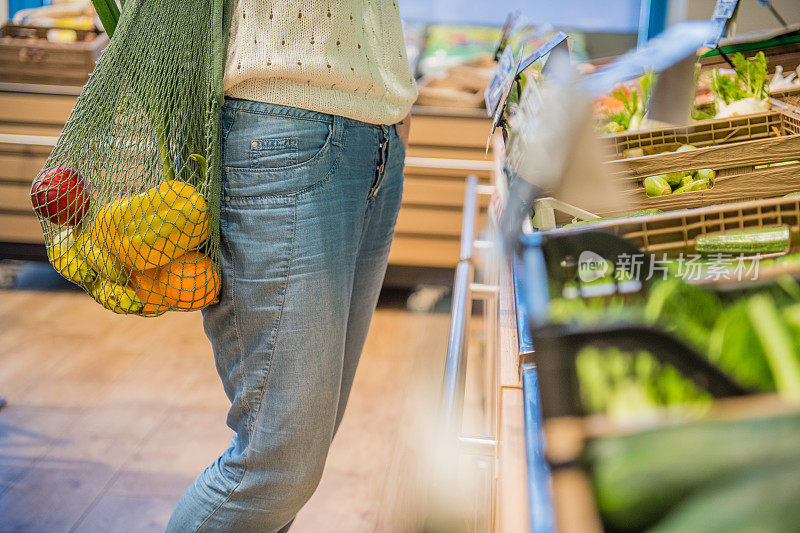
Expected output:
(287, 92)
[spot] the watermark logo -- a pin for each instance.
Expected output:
(689, 267)
(592, 266)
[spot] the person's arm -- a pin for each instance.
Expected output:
(403, 128)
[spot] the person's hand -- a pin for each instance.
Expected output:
(403, 128)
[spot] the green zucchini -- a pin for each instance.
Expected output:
(696, 185)
(762, 240)
(657, 186)
(626, 214)
(637, 477)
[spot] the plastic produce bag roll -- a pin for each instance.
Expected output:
(129, 198)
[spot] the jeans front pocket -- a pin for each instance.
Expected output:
(274, 153)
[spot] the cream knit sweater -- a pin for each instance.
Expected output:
(342, 57)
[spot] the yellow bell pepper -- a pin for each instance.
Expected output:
(152, 228)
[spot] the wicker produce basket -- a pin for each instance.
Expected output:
(790, 97)
(740, 150)
(26, 56)
(707, 133)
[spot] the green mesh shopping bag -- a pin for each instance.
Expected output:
(129, 198)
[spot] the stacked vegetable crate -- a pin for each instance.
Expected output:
(638, 474)
(741, 151)
(665, 467)
(677, 232)
(790, 97)
(705, 469)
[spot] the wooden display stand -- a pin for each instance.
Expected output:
(445, 146)
(26, 56)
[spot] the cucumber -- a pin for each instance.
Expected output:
(674, 178)
(696, 185)
(657, 186)
(762, 240)
(638, 477)
(626, 214)
(704, 174)
(762, 498)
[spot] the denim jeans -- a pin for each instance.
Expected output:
(308, 212)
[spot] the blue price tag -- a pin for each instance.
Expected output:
(723, 11)
(503, 76)
(725, 8)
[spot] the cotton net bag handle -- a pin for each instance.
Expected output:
(129, 198)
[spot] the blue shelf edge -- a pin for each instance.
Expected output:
(539, 484)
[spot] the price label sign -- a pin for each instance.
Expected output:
(506, 90)
(559, 39)
(515, 23)
(724, 11)
(503, 76)
(505, 34)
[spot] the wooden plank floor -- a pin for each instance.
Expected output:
(109, 418)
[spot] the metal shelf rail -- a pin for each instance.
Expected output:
(465, 292)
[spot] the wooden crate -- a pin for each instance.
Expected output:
(737, 149)
(21, 159)
(704, 133)
(445, 146)
(26, 56)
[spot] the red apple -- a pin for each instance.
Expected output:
(59, 196)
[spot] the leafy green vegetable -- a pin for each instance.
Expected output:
(778, 344)
(634, 106)
(638, 477)
(734, 347)
(625, 385)
(108, 13)
(755, 339)
(750, 80)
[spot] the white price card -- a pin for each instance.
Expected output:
(503, 76)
